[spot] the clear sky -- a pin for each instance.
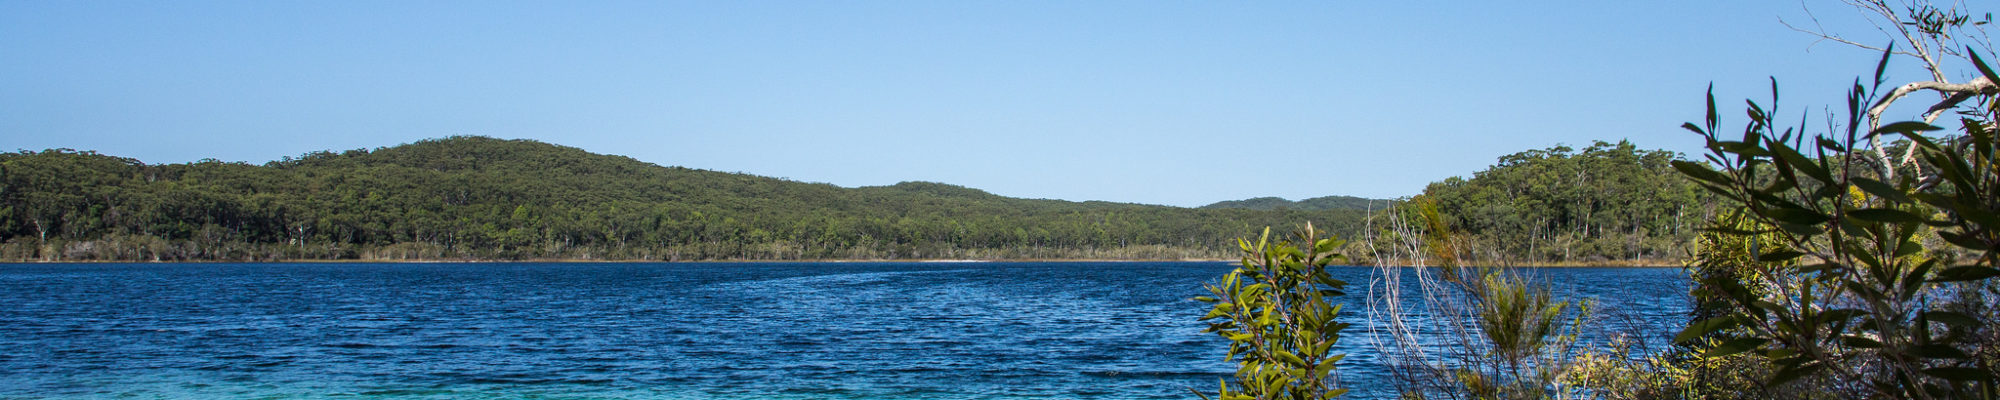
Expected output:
(1178, 103)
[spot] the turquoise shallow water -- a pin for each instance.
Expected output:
(650, 331)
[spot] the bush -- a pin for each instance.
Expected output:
(1273, 309)
(1835, 272)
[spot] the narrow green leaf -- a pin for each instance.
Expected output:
(1742, 148)
(1733, 347)
(1326, 245)
(1867, 258)
(1953, 318)
(1795, 215)
(1779, 256)
(1860, 342)
(1966, 241)
(1713, 119)
(1880, 189)
(1815, 268)
(1965, 273)
(1904, 127)
(1690, 126)
(1923, 142)
(1880, 66)
(1291, 358)
(1841, 314)
(1936, 351)
(1981, 65)
(1794, 373)
(1702, 172)
(1800, 162)
(1885, 215)
(1908, 248)
(1958, 373)
(1914, 281)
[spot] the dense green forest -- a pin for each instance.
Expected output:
(484, 198)
(1609, 201)
(1312, 204)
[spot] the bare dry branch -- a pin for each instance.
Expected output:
(1953, 93)
(1829, 37)
(1820, 31)
(1926, 45)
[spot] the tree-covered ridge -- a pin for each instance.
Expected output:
(1312, 204)
(1609, 201)
(484, 198)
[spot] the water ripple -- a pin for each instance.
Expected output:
(639, 331)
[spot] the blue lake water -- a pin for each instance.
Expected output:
(656, 330)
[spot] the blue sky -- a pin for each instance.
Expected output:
(1178, 103)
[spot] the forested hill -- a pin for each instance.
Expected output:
(484, 198)
(1608, 201)
(1312, 204)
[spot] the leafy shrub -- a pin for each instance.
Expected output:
(1273, 309)
(1845, 281)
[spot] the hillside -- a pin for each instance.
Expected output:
(484, 198)
(1312, 204)
(1561, 205)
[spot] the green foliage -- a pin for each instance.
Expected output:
(1518, 318)
(1273, 309)
(483, 198)
(1613, 374)
(1727, 252)
(1529, 336)
(1312, 204)
(1468, 329)
(1609, 201)
(1881, 282)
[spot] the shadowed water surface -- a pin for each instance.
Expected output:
(651, 331)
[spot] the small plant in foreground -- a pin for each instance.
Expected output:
(1273, 309)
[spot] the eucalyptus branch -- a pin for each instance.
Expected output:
(1953, 93)
(1823, 36)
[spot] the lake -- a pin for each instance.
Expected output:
(658, 330)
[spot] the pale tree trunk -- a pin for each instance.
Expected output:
(41, 239)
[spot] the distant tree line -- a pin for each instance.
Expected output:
(1609, 201)
(484, 198)
(1316, 203)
